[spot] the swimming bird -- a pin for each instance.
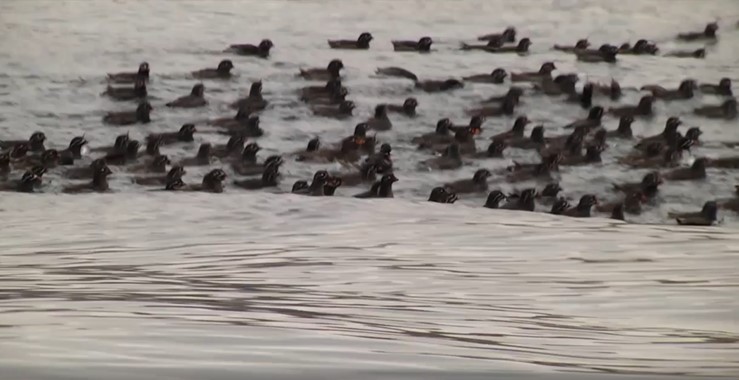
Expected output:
(4, 164)
(694, 172)
(362, 42)
(233, 147)
(28, 182)
(311, 150)
(330, 93)
(253, 102)
(408, 108)
(611, 90)
(496, 43)
(585, 98)
(333, 70)
(565, 144)
(606, 53)
(707, 216)
(174, 173)
(186, 133)
(99, 182)
(464, 138)
(514, 93)
(196, 98)
(592, 156)
(539, 171)
(249, 127)
(525, 202)
(563, 84)
(73, 151)
(124, 157)
(382, 160)
(269, 178)
(643, 109)
(236, 121)
(380, 121)
(653, 156)
(581, 44)
(535, 141)
(223, 71)
(451, 159)
(641, 47)
(35, 142)
(583, 208)
(593, 121)
(262, 50)
(630, 203)
(548, 195)
(668, 134)
(441, 195)
(474, 126)
(697, 53)
(724, 162)
(333, 183)
(732, 203)
(506, 108)
(536, 76)
(494, 199)
(441, 135)
(202, 158)
(723, 88)
(48, 159)
(156, 165)
(423, 45)
(559, 206)
(137, 92)
(341, 111)
(477, 184)
(649, 185)
(380, 189)
(309, 93)
(497, 76)
(623, 130)
(684, 91)
(365, 174)
(19, 151)
(425, 85)
(131, 77)
(726, 110)
(140, 115)
(247, 163)
(521, 48)
(84, 172)
(708, 33)
(508, 35)
(316, 187)
(212, 182)
(516, 132)
(175, 184)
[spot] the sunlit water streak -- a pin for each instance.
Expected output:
(268, 283)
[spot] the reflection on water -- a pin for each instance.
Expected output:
(295, 282)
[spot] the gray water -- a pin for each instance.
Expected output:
(145, 285)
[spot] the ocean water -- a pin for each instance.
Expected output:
(136, 284)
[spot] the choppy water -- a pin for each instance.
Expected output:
(186, 285)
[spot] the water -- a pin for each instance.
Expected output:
(201, 286)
